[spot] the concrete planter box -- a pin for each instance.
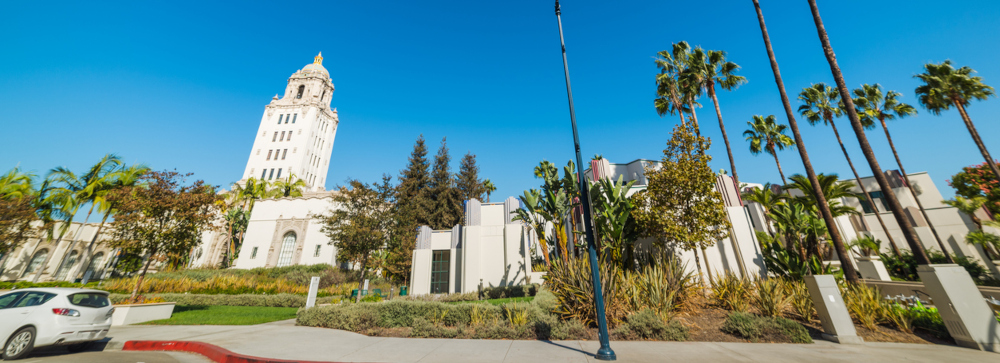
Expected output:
(139, 313)
(872, 268)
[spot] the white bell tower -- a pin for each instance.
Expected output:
(297, 130)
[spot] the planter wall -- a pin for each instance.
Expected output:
(139, 313)
(872, 268)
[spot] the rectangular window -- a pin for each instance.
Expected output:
(269, 177)
(279, 119)
(283, 154)
(316, 254)
(275, 138)
(263, 174)
(289, 135)
(440, 264)
(269, 154)
(876, 196)
(279, 173)
(282, 136)
(295, 117)
(253, 253)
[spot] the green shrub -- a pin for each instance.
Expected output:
(801, 300)
(905, 266)
(865, 304)
(770, 297)
(648, 325)
(500, 292)
(425, 329)
(278, 300)
(732, 292)
(754, 328)
(456, 297)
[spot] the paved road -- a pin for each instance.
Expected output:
(95, 355)
(283, 340)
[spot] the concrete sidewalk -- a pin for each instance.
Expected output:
(283, 340)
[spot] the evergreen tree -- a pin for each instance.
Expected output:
(447, 199)
(414, 182)
(468, 182)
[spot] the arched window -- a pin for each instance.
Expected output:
(287, 247)
(301, 90)
(67, 265)
(95, 264)
(36, 262)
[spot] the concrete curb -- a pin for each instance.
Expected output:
(210, 351)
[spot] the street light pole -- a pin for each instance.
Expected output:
(605, 352)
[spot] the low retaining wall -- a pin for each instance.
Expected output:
(916, 288)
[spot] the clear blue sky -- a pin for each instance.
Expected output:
(183, 84)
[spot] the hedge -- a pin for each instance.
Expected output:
(278, 300)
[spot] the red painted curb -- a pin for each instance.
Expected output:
(213, 352)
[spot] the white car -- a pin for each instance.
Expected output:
(38, 317)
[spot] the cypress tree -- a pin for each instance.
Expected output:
(447, 210)
(468, 182)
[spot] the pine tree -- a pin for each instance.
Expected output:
(468, 182)
(414, 182)
(447, 210)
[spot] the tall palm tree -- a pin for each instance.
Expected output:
(674, 94)
(124, 177)
(768, 136)
(874, 106)
(890, 197)
(821, 104)
(251, 191)
(944, 87)
(56, 203)
(287, 187)
(708, 69)
(489, 188)
(845, 262)
(16, 184)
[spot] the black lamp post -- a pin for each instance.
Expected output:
(605, 352)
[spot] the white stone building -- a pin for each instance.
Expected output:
(295, 138)
(42, 260)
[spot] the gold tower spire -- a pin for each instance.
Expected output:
(318, 59)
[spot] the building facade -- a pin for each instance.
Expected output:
(44, 260)
(296, 132)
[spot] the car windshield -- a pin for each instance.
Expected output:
(8, 300)
(89, 299)
(33, 298)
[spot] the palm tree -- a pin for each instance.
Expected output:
(288, 188)
(489, 188)
(531, 214)
(944, 86)
(708, 69)
(833, 191)
(767, 199)
(125, 177)
(16, 184)
(890, 197)
(821, 104)
(90, 188)
(768, 136)
(875, 106)
(674, 94)
(845, 263)
(251, 191)
(55, 202)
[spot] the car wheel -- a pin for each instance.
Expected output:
(20, 344)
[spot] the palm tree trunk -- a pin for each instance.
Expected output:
(782, 173)
(852, 114)
(677, 106)
(48, 257)
(85, 261)
(871, 202)
(722, 126)
(914, 192)
(694, 118)
(845, 260)
(975, 136)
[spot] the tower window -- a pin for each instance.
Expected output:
(279, 119)
(279, 173)
(258, 151)
(275, 138)
(301, 90)
(283, 154)
(269, 177)
(282, 136)
(253, 254)
(263, 174)
(269, 154)
(289, 135)
(295, 117)
(316, 254)
(323, 96)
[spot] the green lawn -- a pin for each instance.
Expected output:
(498, 301)
(225, 315)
